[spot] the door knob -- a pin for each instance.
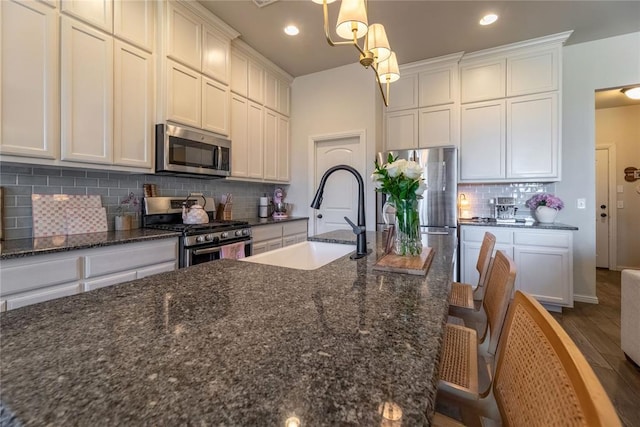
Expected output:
(603, 215)
(319, 215)
(603, 206)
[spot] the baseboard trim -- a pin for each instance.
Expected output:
(585, 298)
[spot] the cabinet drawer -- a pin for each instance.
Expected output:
(294, 227)
(156, 269)
(42, 295)
(476, 234)
(26, 277)
(114, 279)
(553, 239)
(129, 258)
(266, 232)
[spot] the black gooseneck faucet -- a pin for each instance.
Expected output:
(360, 229)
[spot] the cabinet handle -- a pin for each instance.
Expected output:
(603, 215)
(319, 215)
(603, 206)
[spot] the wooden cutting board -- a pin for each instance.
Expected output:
(417, 265)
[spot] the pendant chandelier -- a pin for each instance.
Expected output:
(376, 54)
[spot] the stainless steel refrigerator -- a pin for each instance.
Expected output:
(438, 206)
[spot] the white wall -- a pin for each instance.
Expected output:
(342, 99)
(606, 63)
(621, 127)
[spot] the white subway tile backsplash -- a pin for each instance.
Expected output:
(478, 195)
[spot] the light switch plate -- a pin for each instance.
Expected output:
(620, 189)
(620, 204)
(581, 203)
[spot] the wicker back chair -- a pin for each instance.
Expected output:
(459, 367)
(541, 377)
(463, 294)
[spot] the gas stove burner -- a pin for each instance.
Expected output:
(190, 229)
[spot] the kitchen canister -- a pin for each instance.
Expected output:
(263, 209)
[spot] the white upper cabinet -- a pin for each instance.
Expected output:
(533, 72)
(86, 92)
(482, 79)
(482, 141)
(215, 54)
(438, 126)
(271, 92)
(98, 13)
(29, 111)
(255, 83)
(255, 140)
(404, 93)
(184, 36)
(283, 166)
(239, 136)
(134, 22)
(533, 136)
(184, 95)
(215, 106)
(438, 86)
(270, 145)
(402, 130)
(133, 99)
(239, 72)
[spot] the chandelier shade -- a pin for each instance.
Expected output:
(388, 70)
(352, 16)
(377, 42)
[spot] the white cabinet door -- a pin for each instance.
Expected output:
(184, 36)
(239, 135)
(284, 150)
(133, 100)
(215, 54)
(215, 106)
(274, 244)
(482, 80)
(404, 93)
(239, 73)
(402, 130)
(533, 72)
(533, 136)
(438, 126)
(156, 269)
(103, 282)
(283, 97)
(544, 273)
(258, 248)
(86, 93)
(134, 22)
(271, 91)
(29, 87)
(98, 13)
(482, 141)
(469, 258)
(438, 86)
(184, 95)
(42, 295)
(255, 82)
(255, 129)
(270, 144)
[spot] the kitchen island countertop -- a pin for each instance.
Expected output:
(234, 343)
(529, 225)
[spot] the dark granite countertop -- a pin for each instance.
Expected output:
(255, 221)
(234, 343)
(42, 245)
(530, 225)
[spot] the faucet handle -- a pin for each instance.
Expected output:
(356, 229)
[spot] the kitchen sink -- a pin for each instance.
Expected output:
(303, 256)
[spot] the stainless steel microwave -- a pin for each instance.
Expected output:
(191, 152)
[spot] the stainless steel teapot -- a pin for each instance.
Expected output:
(195, 214)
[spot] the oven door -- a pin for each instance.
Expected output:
(201, 254)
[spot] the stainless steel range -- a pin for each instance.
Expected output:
(199, 242)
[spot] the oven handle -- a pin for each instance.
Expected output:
(216, 249)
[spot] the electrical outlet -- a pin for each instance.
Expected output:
(581, 203)
(620, 204)
(620, 189)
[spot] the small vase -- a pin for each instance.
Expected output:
(545, 214)
(408, 241)
(123, 222)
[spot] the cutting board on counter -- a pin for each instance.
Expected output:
(417, 265)
(59, 214)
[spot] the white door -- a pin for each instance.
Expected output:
(340, 197)
(602, 208)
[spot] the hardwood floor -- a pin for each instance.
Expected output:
(595, 328)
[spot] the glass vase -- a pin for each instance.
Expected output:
(408, 241)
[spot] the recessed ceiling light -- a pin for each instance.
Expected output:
(489, 19)
(291, 30)
(632, 92)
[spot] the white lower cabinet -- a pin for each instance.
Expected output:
(543, 258)
(40, 278)
(275, 236)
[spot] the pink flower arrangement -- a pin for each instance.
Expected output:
(545, 199)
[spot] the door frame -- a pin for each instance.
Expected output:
(311, 177)
(613, 209)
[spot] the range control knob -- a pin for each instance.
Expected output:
(224, 235)
(208, 237)
(200, 239)
(245, 232)
(238, 233)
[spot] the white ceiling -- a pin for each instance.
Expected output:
(419, 29)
